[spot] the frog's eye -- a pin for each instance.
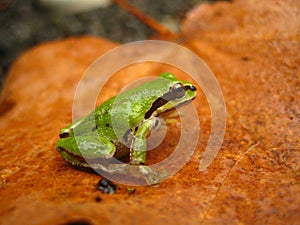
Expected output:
(177, 90)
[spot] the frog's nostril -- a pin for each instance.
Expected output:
(193, 88)
(190, 87)
(64, 135)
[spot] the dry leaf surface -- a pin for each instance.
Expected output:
(253, 48)
(255, 177)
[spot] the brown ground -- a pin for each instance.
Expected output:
(253, 47)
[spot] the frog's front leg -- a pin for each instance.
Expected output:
(138, 152)
(138, 147)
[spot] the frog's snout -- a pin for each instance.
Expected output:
(192, 88)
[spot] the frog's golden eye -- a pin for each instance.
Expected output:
(177, 90)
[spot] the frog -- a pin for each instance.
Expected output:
(114, 134)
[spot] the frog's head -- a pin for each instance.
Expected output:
(178, 92)
(179, 89)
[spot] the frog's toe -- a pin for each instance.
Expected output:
(152, 177)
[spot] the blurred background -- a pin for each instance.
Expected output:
(25, 23)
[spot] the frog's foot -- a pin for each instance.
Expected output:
(152, 177)
(145, 173)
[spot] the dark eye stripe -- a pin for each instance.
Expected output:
(155, 105)
(175, 92)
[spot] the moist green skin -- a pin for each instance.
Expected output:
(118, 127)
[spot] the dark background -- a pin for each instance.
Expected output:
(25, 23)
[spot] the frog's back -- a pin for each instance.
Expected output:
(128, 109)
(102, 117)
(123, 112)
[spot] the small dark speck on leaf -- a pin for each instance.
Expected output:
(98, 199)
(79, 222)
(245, 58)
